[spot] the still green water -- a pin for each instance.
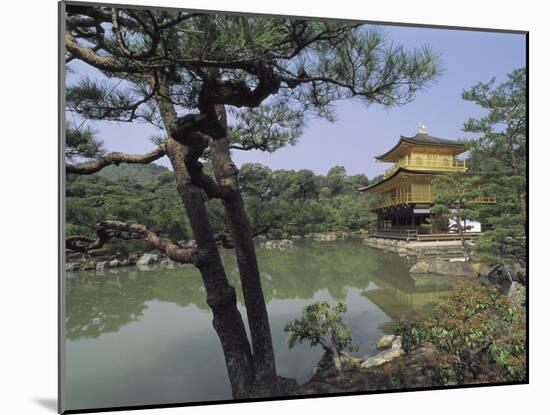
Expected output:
(137, 337)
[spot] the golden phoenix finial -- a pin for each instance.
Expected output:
(421, 128)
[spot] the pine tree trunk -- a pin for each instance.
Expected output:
(221, 297)
(237, 222)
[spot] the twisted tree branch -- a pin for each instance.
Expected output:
(115, 158)
(115, 229)
(105, 63)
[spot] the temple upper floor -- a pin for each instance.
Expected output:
(428, 161)
(424, 152)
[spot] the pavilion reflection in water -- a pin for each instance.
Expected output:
(402, 295)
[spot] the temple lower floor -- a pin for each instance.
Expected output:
(415, 217)
(405, 217)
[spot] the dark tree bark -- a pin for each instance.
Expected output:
(226, 173)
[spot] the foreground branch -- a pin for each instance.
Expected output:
(115, 158)
(105, 63)
(115, 229)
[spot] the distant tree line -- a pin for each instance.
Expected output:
(289, 202)
(279, 202)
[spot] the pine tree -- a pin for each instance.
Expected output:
(498, 156)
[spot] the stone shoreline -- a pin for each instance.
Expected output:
(329, 236)
(141, 261)
(416, 248)
(86, 262)
(390, 368)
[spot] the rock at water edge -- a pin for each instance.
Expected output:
(385, 342)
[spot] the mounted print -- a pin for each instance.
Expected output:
(260, 206)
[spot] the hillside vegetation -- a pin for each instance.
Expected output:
(279, 202)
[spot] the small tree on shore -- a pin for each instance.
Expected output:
(325, 326)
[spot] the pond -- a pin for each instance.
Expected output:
(137, 337)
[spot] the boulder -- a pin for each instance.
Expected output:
(328, 236)
(504, 274)
(517, 294)
(167, 263)
(72, 266)
(101, 265)
(421, 267)
(270, 244)
(385, 356)
(381, 358)
(148, 259)
(285, 243)
(278, 244)
(115, 263)
(385, 342)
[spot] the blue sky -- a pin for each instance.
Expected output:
(362, 132)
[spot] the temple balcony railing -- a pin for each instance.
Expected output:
(437, 165)
(418, 197)
(484, 199)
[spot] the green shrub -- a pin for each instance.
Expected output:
(479, 328)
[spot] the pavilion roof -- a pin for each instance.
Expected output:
(397, 172)
(424, 140)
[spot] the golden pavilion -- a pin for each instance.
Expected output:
(404, 197)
